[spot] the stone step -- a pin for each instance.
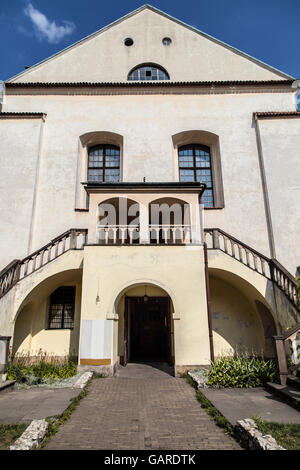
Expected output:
(293, 381)
(7, 385)
(289, 394)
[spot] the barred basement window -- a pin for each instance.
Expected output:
(195, 165)
(104, 164)
(61, 309)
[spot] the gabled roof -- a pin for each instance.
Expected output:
(159, 12)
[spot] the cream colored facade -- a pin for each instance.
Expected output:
(54, 112)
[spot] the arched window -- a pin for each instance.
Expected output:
(148, 72)
(195, 165)
(104, 164)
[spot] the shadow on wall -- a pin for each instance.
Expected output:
(241, 324)
(32, 337)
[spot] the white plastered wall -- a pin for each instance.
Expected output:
(148, 151)
(19, 153)
(104, 57)
(281, 155)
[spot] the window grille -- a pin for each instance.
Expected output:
(62, 307)
(148, 72)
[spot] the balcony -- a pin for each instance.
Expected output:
(145, 213)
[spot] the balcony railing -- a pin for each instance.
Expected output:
(158, 234)
(170, 234)
(118, 234)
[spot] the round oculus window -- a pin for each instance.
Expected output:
(166, 41)
(128, 41)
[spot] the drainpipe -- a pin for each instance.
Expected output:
(267, 206)
(265, 190)
(210, 333)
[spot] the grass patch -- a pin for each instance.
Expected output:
(286, 435)
(220, 420)
(56, 421)
(9, 433)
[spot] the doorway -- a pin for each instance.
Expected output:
(147, 329)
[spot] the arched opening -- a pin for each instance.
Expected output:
(50, 332)
(146, 330)
(169, 221)
(269, 328)
(118, 221)
(241, 323)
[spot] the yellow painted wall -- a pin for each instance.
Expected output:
(31, 336)
(111, 270)
(236, 325)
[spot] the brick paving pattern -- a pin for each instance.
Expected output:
(153, 412)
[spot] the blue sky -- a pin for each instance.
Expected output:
(31, 31)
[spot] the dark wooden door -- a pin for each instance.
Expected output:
(124, 358)
(149, 329)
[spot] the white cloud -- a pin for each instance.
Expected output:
(46, 29)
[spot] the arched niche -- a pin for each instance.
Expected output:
(85, 141)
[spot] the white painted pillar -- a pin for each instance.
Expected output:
(144, 224)
(196, 223)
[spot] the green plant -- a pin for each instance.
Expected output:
(286, 435)
(242, 372)
(40, 372)
(56, 421)
(9, 433)
(220, 420)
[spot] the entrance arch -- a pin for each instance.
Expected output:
(146, 330)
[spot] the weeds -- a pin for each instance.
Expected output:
(242, 372)
(41, 372)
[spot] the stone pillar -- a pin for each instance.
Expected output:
(281, 358)
(195, 215)
(4, 346)
(144, 224)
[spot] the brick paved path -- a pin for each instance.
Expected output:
(140, 409)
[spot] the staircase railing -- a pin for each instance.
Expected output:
(280, 342)
(217, 239)
(18, 269)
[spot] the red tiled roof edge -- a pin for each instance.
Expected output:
(22, 115)
(150, 83)
(276, 114)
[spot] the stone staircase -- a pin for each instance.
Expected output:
(290, 392)
(17, 270)
(270, 268)
(289, 388)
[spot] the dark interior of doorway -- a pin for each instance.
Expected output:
(148, 329)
